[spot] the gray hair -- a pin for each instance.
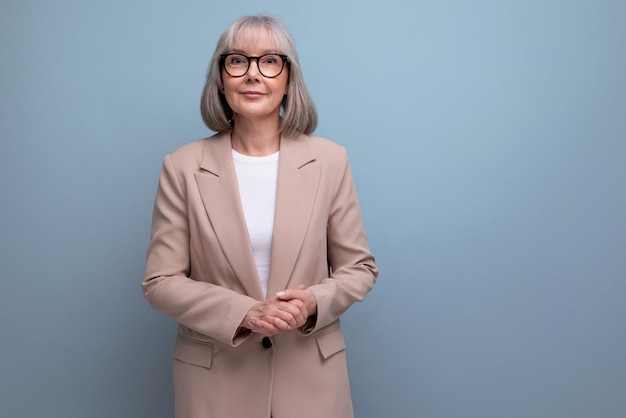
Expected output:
(298, 111)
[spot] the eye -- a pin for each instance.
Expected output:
(236, 60)
(270, 59)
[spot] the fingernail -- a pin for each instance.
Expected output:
(280, 294)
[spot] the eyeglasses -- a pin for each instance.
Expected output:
(269, 65)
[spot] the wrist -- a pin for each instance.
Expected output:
(311, 304)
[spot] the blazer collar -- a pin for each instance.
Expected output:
(219, 190)
(217, 155)
(299, 174)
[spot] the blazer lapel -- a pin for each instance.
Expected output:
(298, 183)
(219, 190)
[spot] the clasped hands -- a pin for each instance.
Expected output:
(288, 310)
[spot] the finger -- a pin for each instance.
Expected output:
(291, 293)
(287, 320)
(298, 304)
(288, 294)
(287, 316)
(298, 297)
(266, 328)
(281, 323)
(297, 308)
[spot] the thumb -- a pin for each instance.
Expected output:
(286, 294)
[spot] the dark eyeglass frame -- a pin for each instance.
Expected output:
(284, 59)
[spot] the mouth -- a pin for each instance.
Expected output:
(252, 94)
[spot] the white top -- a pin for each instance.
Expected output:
(257, 178)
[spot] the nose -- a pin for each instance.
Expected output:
(253, 69)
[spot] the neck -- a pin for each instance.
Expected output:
(255, 138)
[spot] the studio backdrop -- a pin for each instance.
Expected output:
(488, 145)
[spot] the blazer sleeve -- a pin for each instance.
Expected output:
(204, 307)
(353, 271)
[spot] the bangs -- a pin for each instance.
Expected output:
(250, 31)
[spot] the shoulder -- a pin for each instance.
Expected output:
(190, 155)
(331, 154)
(307, 148)
(324, 145)
(190, 150)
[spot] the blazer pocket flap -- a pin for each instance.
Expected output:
(331, 343)
(196, 353)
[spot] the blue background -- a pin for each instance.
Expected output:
(488, 143)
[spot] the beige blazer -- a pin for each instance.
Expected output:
(201, 272)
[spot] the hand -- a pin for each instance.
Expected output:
(274, 315)
(300, 294)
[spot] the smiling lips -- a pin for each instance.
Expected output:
(252, 94)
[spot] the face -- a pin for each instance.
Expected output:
(254, 96)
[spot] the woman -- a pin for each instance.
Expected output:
(257, 243)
